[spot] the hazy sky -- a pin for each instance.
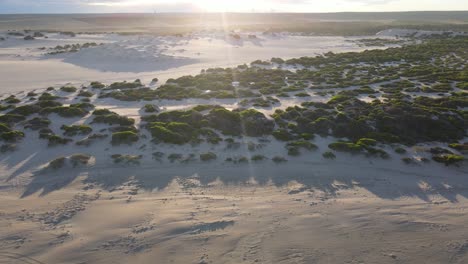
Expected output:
(75, 6)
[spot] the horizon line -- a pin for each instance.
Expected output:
(229, 12)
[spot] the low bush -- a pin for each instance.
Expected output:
(55, 140)
(47, 97)
(278, 159)
(448, 159)
(85, 94)
(125, 137)
(65, 111)
(114, 119)
(174, 157)
(79, 159)
(258, 158)
(329, 155)
(76, 130)
(282, 135)
(4, 128)
(302, 144)
(346, 147)
(68, 89)
(105, 111)
(12, 136)
(208, 156)
(11, 118)
(400, 150)
(158, 155)
(97, 85)
(439, 150)
(12, 100)
(25, 110)
(375, 152)
(150, 108)
(293, 151)
(460, 147)
(37, 123)
(127, 159)
(57, 163)
(366, 142)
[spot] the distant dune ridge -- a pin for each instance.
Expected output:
(170, 23)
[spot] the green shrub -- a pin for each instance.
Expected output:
(4, 128)
(55, 140)
(114, 119)
(126, 137)
(346, 147)
(208, 156)
(150, 108)
(158, 155)
(282, 135)
(377, 152)
(12, 136)
(163, 134)
(302, 95)
(26, 110)
(97, 85)
(105, 111)
(457, 146)
(79, 159)
(127, 159)
(48, 103)
(367, 142)
(12, 100)
(11, 118)
(329, 155)
(407, 160)
(258, 158)
(400, 150)
(65, 111)
(37, 123)
(278, 159)
(47, 97)
(293, 151)
(68, 89)
(76, 130)
(174, 157)
(57, 163)
(85, 94)
(302, 144)
(448, 159)
(307, 136)
(83, 105)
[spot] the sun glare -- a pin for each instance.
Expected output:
(203, 5)
(222, 6)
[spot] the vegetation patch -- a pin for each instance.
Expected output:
(125, 137)
(208, 156)
(448, 159)
(76, 130)
(12, 136)
(127, 159)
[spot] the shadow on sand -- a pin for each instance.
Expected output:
(329, 177)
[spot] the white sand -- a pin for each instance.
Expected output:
(309, 210)
(145, 57)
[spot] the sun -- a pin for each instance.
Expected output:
(204, 5)
(226, 5)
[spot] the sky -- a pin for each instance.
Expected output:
(149, 6)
